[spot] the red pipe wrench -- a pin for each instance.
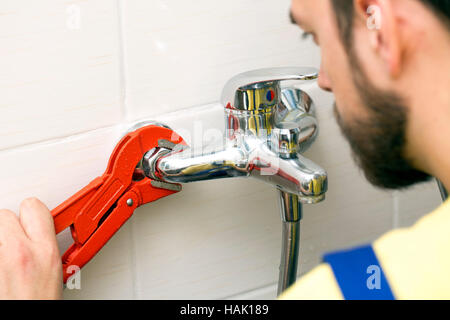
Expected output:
(98, 210)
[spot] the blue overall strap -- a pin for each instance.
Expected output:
(359, 274)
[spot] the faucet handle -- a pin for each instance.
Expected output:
(259, 89)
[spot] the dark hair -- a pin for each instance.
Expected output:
(345, 13)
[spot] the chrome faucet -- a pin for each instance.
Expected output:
(267, 128)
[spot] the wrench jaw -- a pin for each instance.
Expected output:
(164, 147)
(148, 164)
(98, 210)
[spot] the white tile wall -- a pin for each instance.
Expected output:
(180, 54)
(67, 96)
(414, 203)
(59, 69)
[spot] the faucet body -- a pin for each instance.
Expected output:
(267, 129)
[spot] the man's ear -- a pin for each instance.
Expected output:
(382, 27)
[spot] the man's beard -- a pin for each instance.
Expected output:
(378, 139)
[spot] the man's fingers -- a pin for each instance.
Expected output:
(9, 225)
(37, 221)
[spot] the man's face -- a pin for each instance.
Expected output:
(373, 120)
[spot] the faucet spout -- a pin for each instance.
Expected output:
(251, 158)
(184, 166)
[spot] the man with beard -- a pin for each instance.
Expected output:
(388, 64)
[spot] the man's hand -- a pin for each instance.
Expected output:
(30, 264)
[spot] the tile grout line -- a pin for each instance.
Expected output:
(122, 61)
(125, 115)
(60, 139)
(69, 137)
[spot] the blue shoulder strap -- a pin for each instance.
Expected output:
(359, 274)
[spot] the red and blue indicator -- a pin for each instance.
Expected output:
(270, 95)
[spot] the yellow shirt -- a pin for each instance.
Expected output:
(415, 261)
